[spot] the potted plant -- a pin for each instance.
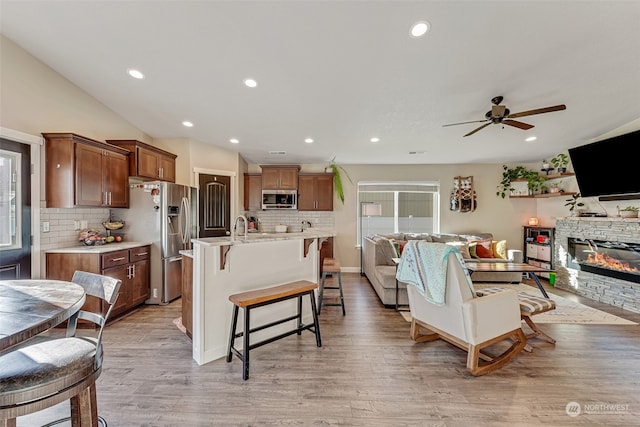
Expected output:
(560, 162)
(555, 187)
(337, 178)
(508, 175)
(535, 182)
(628, 212)
(574, 202)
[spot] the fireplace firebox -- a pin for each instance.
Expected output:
(614, 259)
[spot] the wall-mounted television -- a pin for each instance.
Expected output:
(608, 168)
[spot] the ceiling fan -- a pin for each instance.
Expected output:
(501, 114)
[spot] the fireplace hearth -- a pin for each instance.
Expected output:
(613, 259)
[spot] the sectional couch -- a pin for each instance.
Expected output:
(378, 266)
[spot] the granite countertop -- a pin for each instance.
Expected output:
(311, 233)
(107, 247)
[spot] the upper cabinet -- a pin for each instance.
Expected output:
(147, 161)
(280, 177)
(315, 192)
(84, 172)
(252, 191)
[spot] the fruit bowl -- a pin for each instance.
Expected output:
(91, 237)
(113, 225)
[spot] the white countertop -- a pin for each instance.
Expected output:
(186, 252)
(312, 233)
(107, 247)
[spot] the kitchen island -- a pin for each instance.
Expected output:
(223, 266)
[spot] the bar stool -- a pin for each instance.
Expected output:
(331, 266)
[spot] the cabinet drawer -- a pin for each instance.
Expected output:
(544, 253)
(136, 254)
(532, 250)
(112, 259)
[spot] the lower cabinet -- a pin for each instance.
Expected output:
(187, 294)
(129, 265)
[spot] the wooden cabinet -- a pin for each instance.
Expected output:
(538, 247)
(281, 177)
(187, 294)
(84, 172)
(252, 191)
(315, 192)
(129, 265)
(148, 162)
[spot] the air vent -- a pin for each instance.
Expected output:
(277, 153)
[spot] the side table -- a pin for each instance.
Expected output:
(396, 261)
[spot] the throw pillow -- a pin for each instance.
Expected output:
(484, 250)
(386, 251)
(472, 250)
(499, 248)
(463, 247)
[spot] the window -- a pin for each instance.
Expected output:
(10, 202)
(406, 207)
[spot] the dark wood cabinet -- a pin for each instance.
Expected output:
(281, 177)
(83, 172)
(252, 191)
(129, 265)
(148, 162)
(187, 294)
(315, 192)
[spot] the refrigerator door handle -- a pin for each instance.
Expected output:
(186, 214)
(176, 258)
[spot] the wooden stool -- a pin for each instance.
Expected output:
(331, 266)
(253, 299)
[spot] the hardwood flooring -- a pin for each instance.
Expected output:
(367, 373)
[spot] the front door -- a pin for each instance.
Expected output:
(214, 205)
(15, 210)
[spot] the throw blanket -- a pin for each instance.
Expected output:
(424, 265)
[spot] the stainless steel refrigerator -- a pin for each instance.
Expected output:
(162, 213)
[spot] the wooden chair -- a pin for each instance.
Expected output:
(471, 323)
(46, 370)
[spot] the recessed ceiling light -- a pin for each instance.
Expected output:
(309, 140)
(531, 138)
(374, 139)
(419, 29)
(234, 141)
(187, 124)
(250, 83)
(135, 73)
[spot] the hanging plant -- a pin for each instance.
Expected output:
(337, 178)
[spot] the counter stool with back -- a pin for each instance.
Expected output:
(47, 370)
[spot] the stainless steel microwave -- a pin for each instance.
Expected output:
(279, 199)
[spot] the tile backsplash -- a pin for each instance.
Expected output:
(62, 225)
(269, 219)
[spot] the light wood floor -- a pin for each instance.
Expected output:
(367, 373)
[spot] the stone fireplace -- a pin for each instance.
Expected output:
(599, 258)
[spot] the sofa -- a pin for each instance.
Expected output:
(379, 250)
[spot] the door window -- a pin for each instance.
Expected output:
(10, 218)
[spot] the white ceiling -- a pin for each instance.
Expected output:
(342, 72)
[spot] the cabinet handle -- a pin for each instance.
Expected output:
(105, 198)
(117, 259)
(133, 272)
(109, 198)
(142, 253)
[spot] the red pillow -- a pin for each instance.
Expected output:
(484, 250)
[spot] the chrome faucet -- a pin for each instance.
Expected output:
(307, 223)
(235, 225)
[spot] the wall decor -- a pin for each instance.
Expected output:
(463, 196)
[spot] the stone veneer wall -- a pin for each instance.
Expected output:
(619, 293)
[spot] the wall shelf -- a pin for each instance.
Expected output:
(544, 195)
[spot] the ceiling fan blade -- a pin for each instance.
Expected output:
(538, 111)
(464, 123)
(477, 129)
(517, 124)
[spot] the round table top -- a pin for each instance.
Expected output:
(29, 307)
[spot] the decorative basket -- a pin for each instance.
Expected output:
(629, 214)
(113, 225)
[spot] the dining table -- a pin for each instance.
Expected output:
(32, 306)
